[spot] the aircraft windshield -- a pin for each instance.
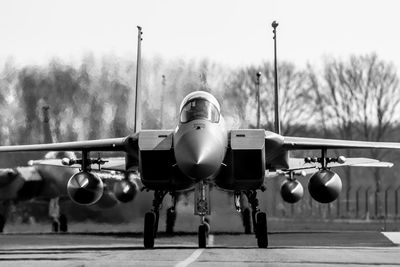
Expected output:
(199, 108)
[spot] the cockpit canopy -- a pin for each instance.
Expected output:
(199, 108)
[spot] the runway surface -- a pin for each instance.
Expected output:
(125, 249)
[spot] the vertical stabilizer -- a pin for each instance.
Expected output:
(276, 91)
(138, 121)
(47, 138)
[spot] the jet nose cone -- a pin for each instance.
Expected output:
(198, 156)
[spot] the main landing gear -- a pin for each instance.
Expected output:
(151, 219)
(259, 218)
(202, 208)
(59, 221)
(171, 215)
(244, 212)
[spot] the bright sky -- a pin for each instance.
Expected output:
(231, 32)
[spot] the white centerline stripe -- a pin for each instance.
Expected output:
(192, 258)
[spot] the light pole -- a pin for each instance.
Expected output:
(277, 122)
(258, 99)
(137, 126)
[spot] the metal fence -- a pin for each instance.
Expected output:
(353, 203)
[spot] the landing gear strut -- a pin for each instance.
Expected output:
(246, 219)
(245, 212)
(171, 215)
(59, 221)
(151, 219)
(202, 208)
(259, 219)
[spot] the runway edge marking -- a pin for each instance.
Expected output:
(394, 237)
(192, 258)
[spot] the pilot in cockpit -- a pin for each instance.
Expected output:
(199, 108)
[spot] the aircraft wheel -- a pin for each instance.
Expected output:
(261, 230)
(156, 223)
(63, 223)
(207, 228)
(54, 226)
(246, 218)
(2, 222)
(207, 223)
(149, 227)
(171, 218)
(202, 234)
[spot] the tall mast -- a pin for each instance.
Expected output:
(138, 125)
(258, 94)
(276, 104)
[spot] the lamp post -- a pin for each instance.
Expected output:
(277, 122)
(137, 126)
(258, 99)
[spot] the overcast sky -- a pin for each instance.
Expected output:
(226, 31)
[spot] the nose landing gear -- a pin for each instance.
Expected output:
(202, 208)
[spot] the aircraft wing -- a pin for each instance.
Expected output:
(111, 164)
(299, 143)
(298, 164)
(112, 144)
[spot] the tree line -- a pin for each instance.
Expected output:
(353, 98)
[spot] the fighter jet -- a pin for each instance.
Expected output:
(201, 152)
(44, 182)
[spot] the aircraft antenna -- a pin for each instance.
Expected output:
(137, 126)
(276, 104)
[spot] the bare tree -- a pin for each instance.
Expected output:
(295, 102)
(359, 97)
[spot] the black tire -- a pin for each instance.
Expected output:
(149, 225)
(202, 234)
(261, 230)
(171, 218)
(156, 223)
(63, 223)
(54, 227)
(246, 219)
(2, 222)
(254, 220)
(207, 227)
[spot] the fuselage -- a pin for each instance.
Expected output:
(201, 149)
(201, 138)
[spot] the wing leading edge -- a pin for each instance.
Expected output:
(112, 144)
(297, 164)
(298, 143)
(111, 164)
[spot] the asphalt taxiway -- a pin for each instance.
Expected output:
(125, 249)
